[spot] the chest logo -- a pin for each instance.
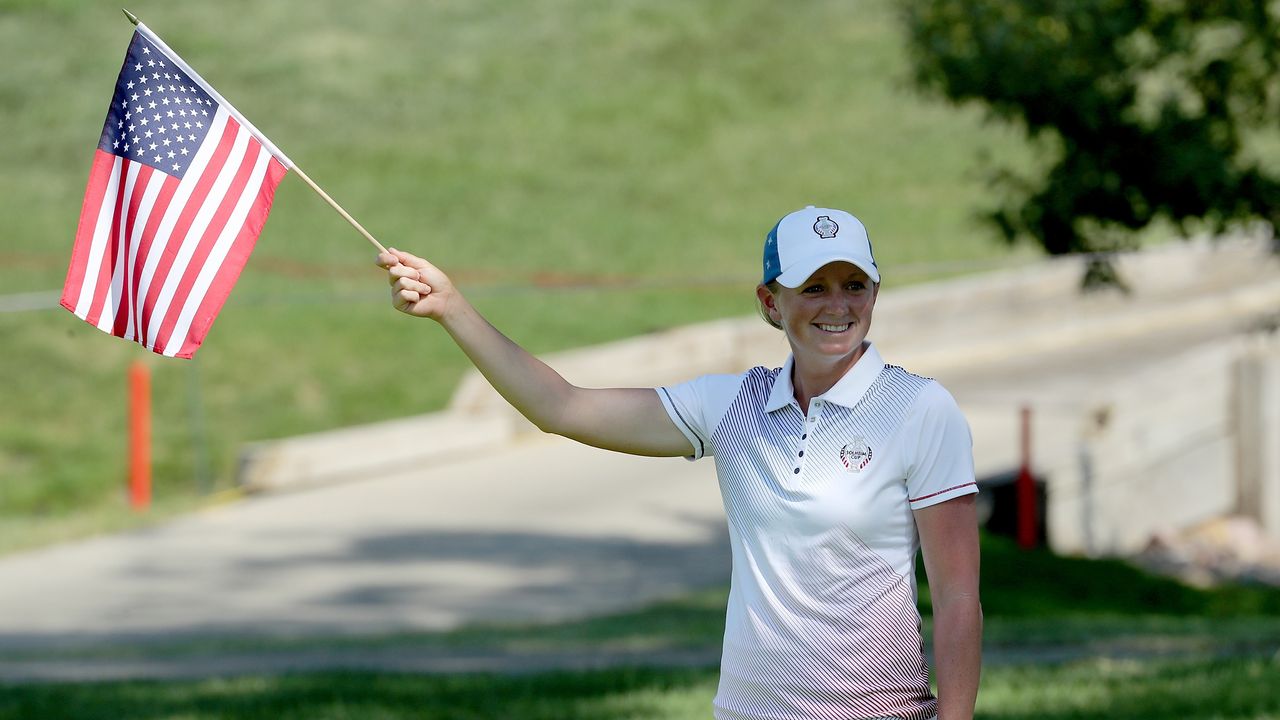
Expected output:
(856, 455)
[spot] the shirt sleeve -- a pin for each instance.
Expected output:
(940, 467)
(696, 407)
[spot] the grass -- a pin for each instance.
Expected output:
(587, 171)
(1231, 689)
(1138, 646)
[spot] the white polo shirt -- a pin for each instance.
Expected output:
(822, 619)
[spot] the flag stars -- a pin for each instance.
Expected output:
(172, 155)
(137, 67)
(174, 126)
(152, 146)
(146, 50)
(152, 63)
(169, 114)
(146, 134)
(183, 151)
(175, 167)
(142, 121)
(166, 142)
(193, 137)
(129, 86)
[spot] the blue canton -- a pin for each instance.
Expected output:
(158, 116)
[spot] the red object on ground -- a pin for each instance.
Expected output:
(139, 436)
(1026, 487)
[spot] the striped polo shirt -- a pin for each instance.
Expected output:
(822, 621)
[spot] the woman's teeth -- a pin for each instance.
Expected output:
(834, 328)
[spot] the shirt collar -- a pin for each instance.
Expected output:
(847, 391)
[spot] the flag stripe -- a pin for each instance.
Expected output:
(136, 194)
(204, 248)
(100, 174)
(227, 258)
(152, 274)
(173, 257)
(238, 255)
(154, 201)
(110, 250)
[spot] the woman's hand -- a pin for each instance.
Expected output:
(418, 288)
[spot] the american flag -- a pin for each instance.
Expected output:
(179, 190)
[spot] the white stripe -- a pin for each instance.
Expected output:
(216, 256)
(188, 244)
(111, 305)
(154, 185)
(177, 204)
(101, 235)
(222, 102)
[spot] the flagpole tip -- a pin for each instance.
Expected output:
(132, 18)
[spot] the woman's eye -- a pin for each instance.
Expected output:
(857, 286)
(813, 289)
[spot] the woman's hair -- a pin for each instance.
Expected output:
(764, 312)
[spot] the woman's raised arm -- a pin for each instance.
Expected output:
(630, 420)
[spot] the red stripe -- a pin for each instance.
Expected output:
(194, 203)
(111, 252)
(235, 261)
(205, 244)
(940, 492)
(158, 208)
(124, 303)
(99, 178)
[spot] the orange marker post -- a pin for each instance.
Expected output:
(1026, 489)
(139, 436)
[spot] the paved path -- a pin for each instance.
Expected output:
(538, 530)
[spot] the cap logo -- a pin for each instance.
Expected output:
(825, 227)
(856, 455)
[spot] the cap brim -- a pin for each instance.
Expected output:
(802, 270)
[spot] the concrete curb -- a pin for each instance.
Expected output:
(930, 329)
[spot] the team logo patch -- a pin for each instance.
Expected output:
(856, 455)
(826, 227)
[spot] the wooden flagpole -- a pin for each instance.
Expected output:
(311, 183)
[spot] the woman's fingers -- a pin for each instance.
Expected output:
(399, 272)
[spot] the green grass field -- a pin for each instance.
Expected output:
(1065, 639)
(586, 171)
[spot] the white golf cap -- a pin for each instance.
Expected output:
(807, 239)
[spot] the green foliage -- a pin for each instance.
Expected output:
(1143, 111)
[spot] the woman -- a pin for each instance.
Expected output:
(834, 469)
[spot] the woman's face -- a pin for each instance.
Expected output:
(828, 315)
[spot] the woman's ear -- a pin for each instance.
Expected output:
(769, 303)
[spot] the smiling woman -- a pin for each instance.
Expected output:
(835, 470)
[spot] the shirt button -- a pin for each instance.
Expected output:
(813, 419)
(801, 453)
(797, 471)
(802, 437)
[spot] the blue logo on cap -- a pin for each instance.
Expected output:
(825, 227)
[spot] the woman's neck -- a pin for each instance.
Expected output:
(811, 377)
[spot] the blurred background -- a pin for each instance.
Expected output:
(592, 172)
(587, 173)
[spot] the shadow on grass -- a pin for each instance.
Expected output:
(604, 695)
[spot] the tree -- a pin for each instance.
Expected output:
(1146, 103)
